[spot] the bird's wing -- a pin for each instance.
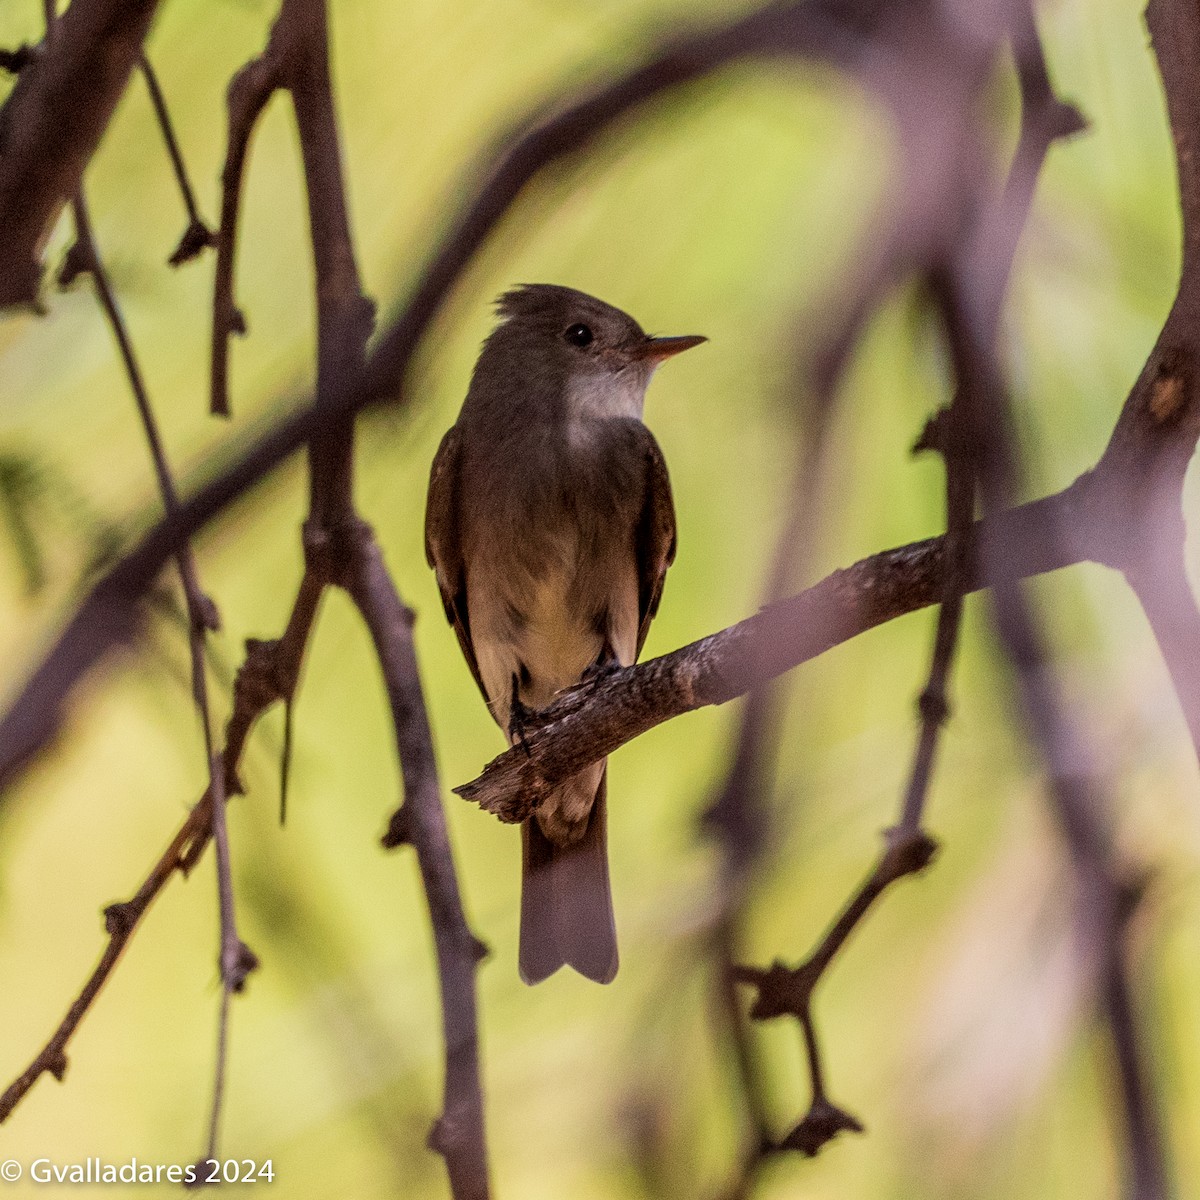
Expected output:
(655, 535)
(443, 543)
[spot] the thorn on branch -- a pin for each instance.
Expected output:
(399, 830)
(441, 1138)
(933, 707)
(15, 61)
(783, 991)
(119, 919)
(934, 435)
(821, 1124)
(1064, 120)
(197, 238)
(237, 967)
(56, 1063)
(366, 311)
(207, 615)
(77, 261)
(908, 852)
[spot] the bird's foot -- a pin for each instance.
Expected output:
(518, 718)
(591, 679)
(599, 671)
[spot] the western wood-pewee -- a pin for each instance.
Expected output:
(550, 527)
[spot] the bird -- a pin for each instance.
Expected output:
(550, 526)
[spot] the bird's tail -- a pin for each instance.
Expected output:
(566, 902)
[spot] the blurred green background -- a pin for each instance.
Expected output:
(957, 1024)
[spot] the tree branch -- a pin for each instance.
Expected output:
(120, 921)
(196, 236)
(1161, 432)
(596, 718)
(344, 321)
(458, 1135)
(245, 99)
(52, 123)
(1077, 791)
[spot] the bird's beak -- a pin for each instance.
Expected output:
(657, 348)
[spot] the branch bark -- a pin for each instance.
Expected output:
(596, 718)
(52, 123)
(458, 1135)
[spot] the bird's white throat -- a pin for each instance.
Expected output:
(601, 397)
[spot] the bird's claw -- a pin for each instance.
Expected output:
(518, 718)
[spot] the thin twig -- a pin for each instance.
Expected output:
(458, 1135)
(84, 257)
(946, 434)
(121, 921)
(197, 236)
(737, 815)
(236, 960)
(1076, 789)
(268, 675)
(245, 99)
(909, 849)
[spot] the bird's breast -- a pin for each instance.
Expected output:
(551, 573)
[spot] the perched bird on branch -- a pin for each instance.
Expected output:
(550, 527)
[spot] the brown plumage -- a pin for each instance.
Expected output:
(550, 527)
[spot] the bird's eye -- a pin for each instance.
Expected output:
(579, 335)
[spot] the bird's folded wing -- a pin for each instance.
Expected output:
(655, 534)
(443, 543)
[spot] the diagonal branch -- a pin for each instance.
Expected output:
(267, 675)
(593, 720)
(120, 921)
